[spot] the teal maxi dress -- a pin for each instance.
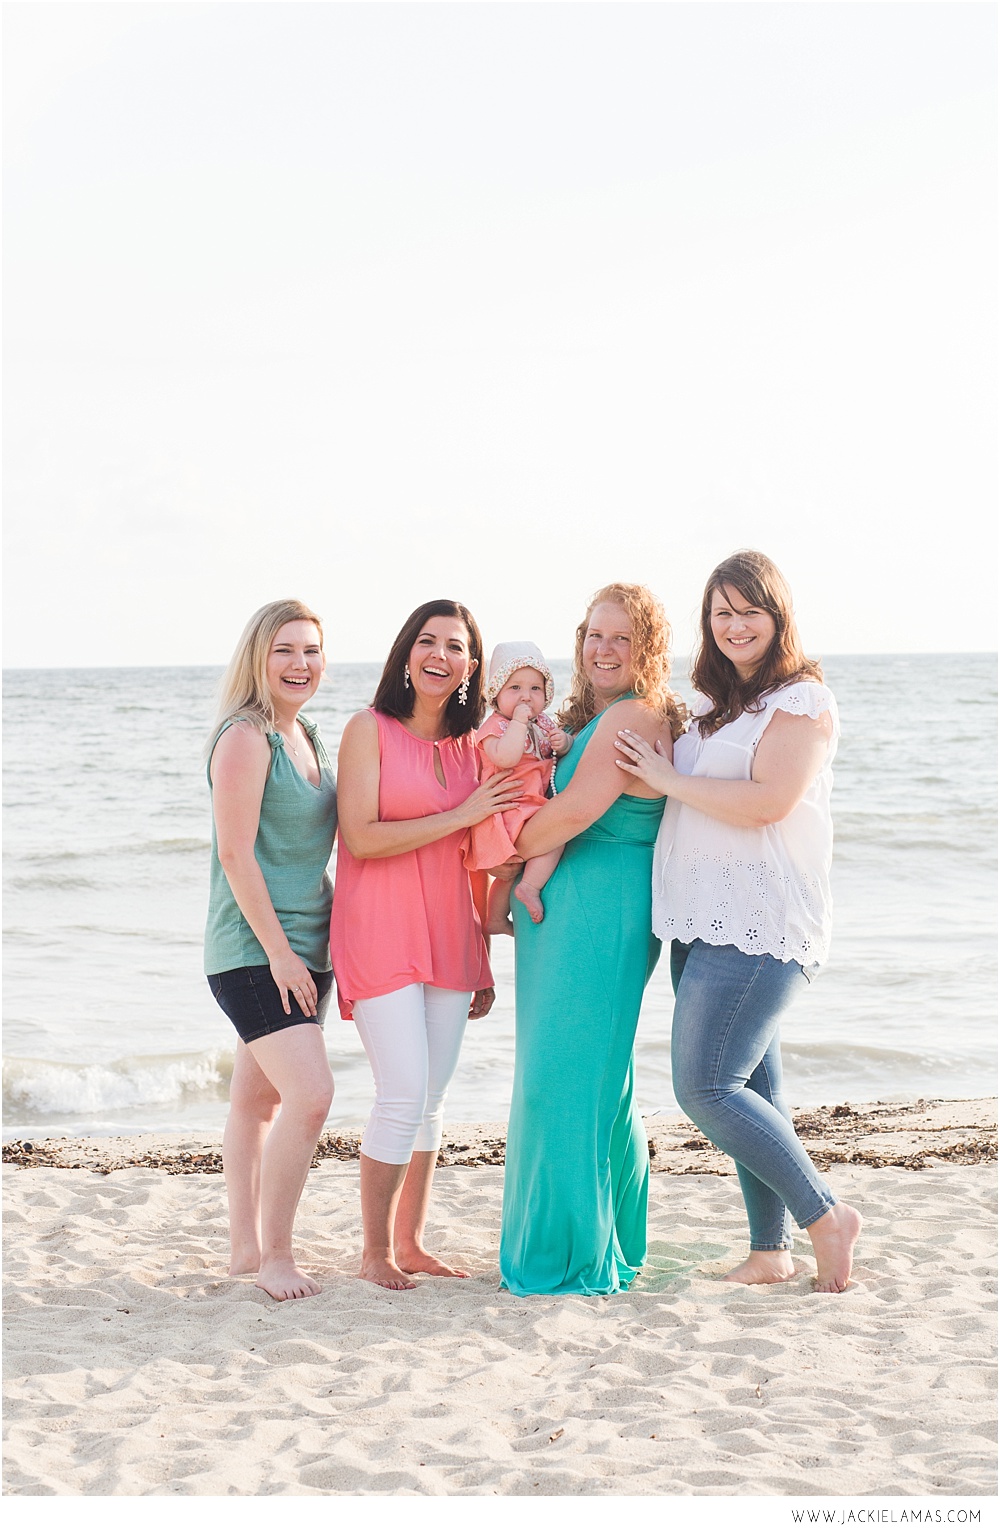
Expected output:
(577, 1174)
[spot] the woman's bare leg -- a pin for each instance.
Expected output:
(411, 1216)
(294, 1061)
(253, 1106)
(537, 872)
(381, 1184)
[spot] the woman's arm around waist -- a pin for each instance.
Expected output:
(358, 775)
(597, 782)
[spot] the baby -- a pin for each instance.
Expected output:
(517, 734)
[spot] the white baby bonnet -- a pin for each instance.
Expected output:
(510, 657)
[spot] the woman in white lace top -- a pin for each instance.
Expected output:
(741, 884)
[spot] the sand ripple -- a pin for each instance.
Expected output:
(134, 1367)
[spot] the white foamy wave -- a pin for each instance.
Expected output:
(44, 1086)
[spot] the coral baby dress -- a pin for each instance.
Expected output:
(491, 842)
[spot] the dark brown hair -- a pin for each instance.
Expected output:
(395, 698)
(761, 584)
(650, 644)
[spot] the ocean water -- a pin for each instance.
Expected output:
(110, 1027)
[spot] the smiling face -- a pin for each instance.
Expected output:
(295, 664)
(440, 659)
(525, 686)
(607, 652)
(742, 632)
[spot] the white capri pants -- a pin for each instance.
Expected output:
(412, 1038)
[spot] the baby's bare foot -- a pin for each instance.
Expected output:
(282, 1279)
(416, 1259)
(499, 926)
(834, 1237)
(380, 1270)
(763, 1267)
(531, 899)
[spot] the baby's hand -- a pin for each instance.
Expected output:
(560, 741)
(522, 714)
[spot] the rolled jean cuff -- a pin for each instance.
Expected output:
(757, 1245)
(827, 1204)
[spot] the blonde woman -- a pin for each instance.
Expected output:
(574, 1212)
(267, 952)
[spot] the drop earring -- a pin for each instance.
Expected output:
(406, 676)
(463, 692)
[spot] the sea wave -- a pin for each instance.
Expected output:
(52, 1088)
(49, 881)
(177, 846)
(813, 1054)
(905, 1006)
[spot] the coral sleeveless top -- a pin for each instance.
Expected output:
(410, 919)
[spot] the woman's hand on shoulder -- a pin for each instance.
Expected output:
(650, 751)
(652, 763)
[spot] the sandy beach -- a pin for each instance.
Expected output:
(135, 1367)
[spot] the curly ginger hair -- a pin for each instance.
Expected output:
(650, 641)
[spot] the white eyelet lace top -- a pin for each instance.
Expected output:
(762, 889)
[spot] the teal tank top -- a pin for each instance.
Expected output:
(293, 847)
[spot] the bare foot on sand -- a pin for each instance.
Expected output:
(833, 1239)
(764, 1267)
(283, 1280)
(380, 1270)
(531, 900)
(416, 1259)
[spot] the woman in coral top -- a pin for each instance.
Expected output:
(406, 935)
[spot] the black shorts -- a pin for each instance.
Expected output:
(251, 1001)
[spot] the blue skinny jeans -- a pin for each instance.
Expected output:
(726, 1064)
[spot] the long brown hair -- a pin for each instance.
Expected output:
(650, 644)
(394, 697)
(761, 584)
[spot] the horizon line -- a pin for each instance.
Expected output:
(208, 665)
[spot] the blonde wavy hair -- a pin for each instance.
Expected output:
(243, 691)
(650, 660)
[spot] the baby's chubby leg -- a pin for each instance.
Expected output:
(537, 872)
(498, 922)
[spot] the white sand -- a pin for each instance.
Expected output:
(134, 1367)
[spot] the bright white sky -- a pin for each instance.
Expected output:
(369, 303)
